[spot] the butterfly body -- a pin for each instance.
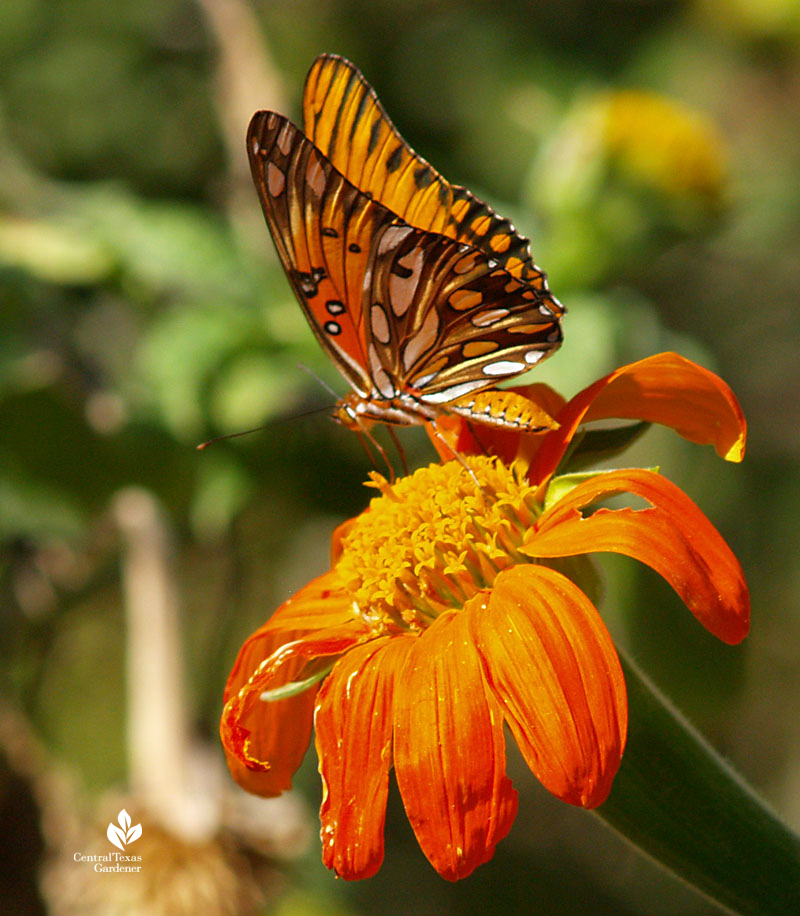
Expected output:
(422, 295)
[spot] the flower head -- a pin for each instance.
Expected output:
(440, 620)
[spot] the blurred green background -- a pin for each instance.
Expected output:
(649, 150)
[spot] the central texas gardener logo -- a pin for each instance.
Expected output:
(124, 834)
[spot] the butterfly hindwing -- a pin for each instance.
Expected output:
(444, 319)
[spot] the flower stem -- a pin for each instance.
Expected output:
(681, 803)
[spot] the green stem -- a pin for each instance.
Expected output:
(681, 803)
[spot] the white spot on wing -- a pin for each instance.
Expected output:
(315, 175)
(276, 180)
(284, 140)
(402, 289)
(424, 380)
(422, 341)
(392, 237)
(533, 356)
(379, 324)
(379, 375)
(489, 317)
(454, 392)
(504, 367)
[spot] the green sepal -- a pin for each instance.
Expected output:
(293, 688)
(591, 446)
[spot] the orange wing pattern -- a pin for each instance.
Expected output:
(345, 120)
(403, 311)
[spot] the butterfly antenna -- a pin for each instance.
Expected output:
(244, 432)
(258, 429)
(320, 381)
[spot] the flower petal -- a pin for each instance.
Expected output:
(353, 726)
(665, 389)
(672, 536)
(265, 742)
(551, 663)
(450, 752)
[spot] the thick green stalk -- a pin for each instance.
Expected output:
(677, 800)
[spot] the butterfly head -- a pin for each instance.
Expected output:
(350, 413)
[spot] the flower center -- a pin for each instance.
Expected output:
(432, 540)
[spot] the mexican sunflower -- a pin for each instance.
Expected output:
(442, 618)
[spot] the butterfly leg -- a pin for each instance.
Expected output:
(398, 445)
(366, 437)
(459, 458)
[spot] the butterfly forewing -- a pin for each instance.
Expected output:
(323, 230)
(345, 119)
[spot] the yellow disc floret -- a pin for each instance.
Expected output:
(432, 540)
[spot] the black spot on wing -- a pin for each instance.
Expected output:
(373, 136)
(423, 176)
(351, 79)
(395, 159)
(359, 114)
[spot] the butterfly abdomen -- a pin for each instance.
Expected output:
(504, 409)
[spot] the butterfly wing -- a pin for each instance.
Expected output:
(399, 309)
(345, 119)
(445, 320)
(323, 229)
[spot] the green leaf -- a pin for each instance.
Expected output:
(677, 800)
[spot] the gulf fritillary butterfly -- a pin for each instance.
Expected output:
(420, 293)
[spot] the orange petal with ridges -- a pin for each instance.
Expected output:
(265, 742)
(449, 751)
(673, 537)
(353, 727)
(666, 389)
(552, 665)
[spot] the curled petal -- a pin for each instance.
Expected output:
(665, 389)
(321, 603)
(550, 661)
(265, 742)
(672, 536)
(449, 751)
(353, 727)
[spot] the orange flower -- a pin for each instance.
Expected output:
(439, 620)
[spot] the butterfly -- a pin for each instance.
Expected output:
(420, 293)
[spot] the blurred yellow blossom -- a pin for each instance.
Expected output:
(662, 144)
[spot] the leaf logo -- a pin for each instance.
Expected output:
(124, 834)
